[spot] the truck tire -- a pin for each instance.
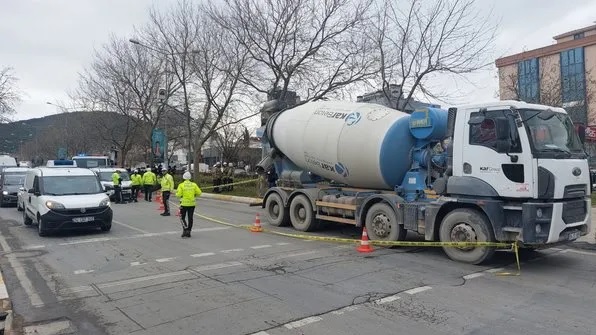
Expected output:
(384, 224)
(276, 213)
(302, 215)
(467, 225)
(26, 220)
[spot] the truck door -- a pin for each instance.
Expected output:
(484, 156)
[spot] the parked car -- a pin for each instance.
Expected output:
(105, 177)
(59, 198)
(11, 179)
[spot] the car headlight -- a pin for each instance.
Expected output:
(104, 202)
(54, 205)
(5, 192)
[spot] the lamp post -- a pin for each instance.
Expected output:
(64, 111)
(164, 102)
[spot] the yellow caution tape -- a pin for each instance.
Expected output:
(237, 183)
(513, 246)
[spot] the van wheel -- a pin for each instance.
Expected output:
(467, 225)
(277, 214)
(106, 227)
(26, 220)
(384, 224)
(41, 231)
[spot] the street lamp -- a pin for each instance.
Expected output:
(164, 101)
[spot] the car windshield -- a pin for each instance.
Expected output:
(552, 135)
(91, 162)
(70, 185)
(14, 179)
(107, 176)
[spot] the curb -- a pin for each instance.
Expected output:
(6, 307)
(232, 198)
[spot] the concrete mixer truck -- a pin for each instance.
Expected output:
(496, 172)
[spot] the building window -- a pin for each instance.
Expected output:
(578, 36)
(528, 82)
(573, 80)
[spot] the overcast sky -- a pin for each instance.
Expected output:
(48, 42)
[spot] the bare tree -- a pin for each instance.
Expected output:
(315, 47)
(427, 38)
(230, 141)
(124, 79)
(9, 95)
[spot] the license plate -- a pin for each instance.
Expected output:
(85, 219)
(574, 235)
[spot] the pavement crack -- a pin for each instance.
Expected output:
(131, 319)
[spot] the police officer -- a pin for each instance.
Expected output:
(225, 178)
(149, 182)
(117, 181)
(230, 176)
(167, 186)
(216, 177)
(187, 192)
(136, 182)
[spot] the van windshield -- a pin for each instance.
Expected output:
(70, 185)
(14, 179)
(107, 176)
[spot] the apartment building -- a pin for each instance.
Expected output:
(562, 74)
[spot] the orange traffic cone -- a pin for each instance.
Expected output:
(256, 228)
(158, 197)
(364, 245)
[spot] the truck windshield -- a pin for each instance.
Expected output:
(552, 135)
(70, 185)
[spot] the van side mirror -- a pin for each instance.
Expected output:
(31, 191)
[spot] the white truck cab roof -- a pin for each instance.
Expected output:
(510, 103)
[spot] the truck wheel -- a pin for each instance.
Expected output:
(26, 220)
(384, 224)
(277, 214)
(302, 215)
(467, 225)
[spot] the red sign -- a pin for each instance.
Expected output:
(591, 133)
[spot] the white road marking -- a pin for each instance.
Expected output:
(261, 246)
(163, 260)
(131, 227)
(261, 333)
(473, 275)
(494, 270)
(303, 322)
(231, 250)
(89, 240)
(142, 279)
(21, 275)
(418, 289)
(283, 243)
(216, 266)
(345, 309)
(204, 254)
(79, 272)
(386, 300)
(582, 252)
(30, 247)
(136, 263)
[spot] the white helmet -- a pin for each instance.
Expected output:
(231, 165)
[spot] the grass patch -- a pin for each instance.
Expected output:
(205, 182)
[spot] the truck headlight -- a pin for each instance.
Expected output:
(54, 205)
(104, 202)
(5, 192)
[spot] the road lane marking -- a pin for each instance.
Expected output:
(215, 266)
(204, 254)
(303, 322)
(136, 263)
(79, 272)
(283, 243)
(31, 247)
(231, 250)
(494, 270)
(386, 300)
(344, 310)
(131, 227)
(261, 333)
(21, 275)
(418, 289)
(163, 260)
(473, 275)
(261, 246)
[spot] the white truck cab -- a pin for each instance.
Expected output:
(59, 198)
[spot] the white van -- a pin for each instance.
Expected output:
(7, 161)
(65, 198)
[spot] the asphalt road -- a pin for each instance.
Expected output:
(142, 278)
